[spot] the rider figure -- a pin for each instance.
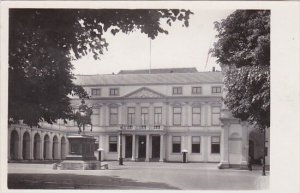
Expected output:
(83, 108)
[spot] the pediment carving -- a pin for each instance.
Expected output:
(144, 93)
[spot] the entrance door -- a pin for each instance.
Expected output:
(128, 146)
(155, 146)
(142, 147)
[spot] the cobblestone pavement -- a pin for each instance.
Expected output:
(136, 175)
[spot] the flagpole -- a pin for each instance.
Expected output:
(150, 58)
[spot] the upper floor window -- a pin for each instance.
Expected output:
(177, 90)
(113, 115)
(196, 90)
(96, 91)
(131, 115)
(176, 115)
(114, 92)
(196, 111)
(145, 115)
(215, 113)
(157, 116)
(216, 89)
(95, 118)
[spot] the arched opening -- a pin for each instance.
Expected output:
(63, 148)
(37, 147)
(14, 145)
(26, 146)
(46, 147)
(55, 148)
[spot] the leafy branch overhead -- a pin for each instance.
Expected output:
(43, 42)
(243, 51)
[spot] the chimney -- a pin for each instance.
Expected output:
(213, 69)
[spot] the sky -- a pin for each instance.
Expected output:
(182, 47)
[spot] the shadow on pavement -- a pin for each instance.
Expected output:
(75, 181)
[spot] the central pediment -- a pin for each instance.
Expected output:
(144, 93)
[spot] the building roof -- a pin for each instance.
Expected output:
(144, 79)
(159, 71)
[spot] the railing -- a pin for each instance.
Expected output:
(142, 127)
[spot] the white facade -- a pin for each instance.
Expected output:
(159, 115)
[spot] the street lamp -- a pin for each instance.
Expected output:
(121, 158)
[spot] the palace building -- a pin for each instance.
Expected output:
(156, 115)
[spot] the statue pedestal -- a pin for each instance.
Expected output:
(81, 154)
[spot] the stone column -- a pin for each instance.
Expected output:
(147, 147)
(133, 147)
(31, 145)
(8, 144)
(151, 114)
(224, 147)
(50, 153)
(162, 148)
(59, 149)
(189, 114)
(119, 146)
(20, 149)
(42, 147)
(245, 146)
(165, 114)
(138, 114)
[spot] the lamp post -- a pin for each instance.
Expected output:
(121, 158)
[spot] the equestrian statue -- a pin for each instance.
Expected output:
(83, 117)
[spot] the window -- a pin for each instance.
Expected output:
(176, 115)
(113, 115)
(215, 144)
(95, 118)
(196, 144)
(96, 92)
(196, 111)
(177, 90)
(176, 144)
(215, 113)
(113, 143)
(131, 116)
(196, 90)
(114, 92)
(216, 89)
(144, 115)
(157, 115)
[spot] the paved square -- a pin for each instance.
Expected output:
(136, 175)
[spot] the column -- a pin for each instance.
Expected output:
(165, 115)
(138, 114)
(224, 147)
(8, 144)
(162, 148)
(42, 147)
(50, 153)
(189, 109)
(20, 149)
(59, 149)
(147, 147)
(133, 147)
(151, 114)
(31, 145)
(245, 147)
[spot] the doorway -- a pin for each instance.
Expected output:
(142, 147)
(128, 146)
(155, 146)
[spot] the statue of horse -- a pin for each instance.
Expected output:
(83, 117)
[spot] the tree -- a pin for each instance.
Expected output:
(43, 42)
(243, 51)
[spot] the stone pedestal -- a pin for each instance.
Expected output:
(81, 154)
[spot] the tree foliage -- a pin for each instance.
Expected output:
(43, 42)
(243, 51)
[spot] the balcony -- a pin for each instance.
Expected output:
(142, 127)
